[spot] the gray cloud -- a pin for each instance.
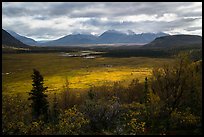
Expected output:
(193, 28)
(47, 20)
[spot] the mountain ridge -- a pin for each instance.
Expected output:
(23, 39)
(107, 37)
(152, 40)
(179, 40)
(9, 41)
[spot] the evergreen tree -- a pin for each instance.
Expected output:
(39, 102)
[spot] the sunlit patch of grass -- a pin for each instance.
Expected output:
(85, 79)
(23, 86)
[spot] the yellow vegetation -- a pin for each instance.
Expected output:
(98, 77)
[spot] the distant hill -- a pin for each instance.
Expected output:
(72, 40)
(111, 36)
(108, 37)
(9, 41)
(23, 39)
(176, 41)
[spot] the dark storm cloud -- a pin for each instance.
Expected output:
(13, 12)
(112, 24)
(54, 19)
(93, 9)
(157, 26)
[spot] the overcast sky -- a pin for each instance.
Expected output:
(47, 20)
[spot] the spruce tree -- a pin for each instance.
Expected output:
(37, 95)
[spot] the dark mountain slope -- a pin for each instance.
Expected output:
(23, 39)
(10, 41)
(176, 41)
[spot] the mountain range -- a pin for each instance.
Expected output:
(159, 40)
(108, 37)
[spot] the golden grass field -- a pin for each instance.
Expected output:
(81, 73)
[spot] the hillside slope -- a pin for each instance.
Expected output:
(176, 41)
(10, 41)
(23, 39)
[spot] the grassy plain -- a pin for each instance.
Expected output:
(80, 72)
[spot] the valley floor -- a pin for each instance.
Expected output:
(82, 73)
(101, 95)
